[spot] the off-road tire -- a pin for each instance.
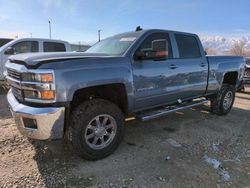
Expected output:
(79, 120)
(217, 106)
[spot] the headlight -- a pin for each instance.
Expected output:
(38, 77)
(42, 95)
(39, 86)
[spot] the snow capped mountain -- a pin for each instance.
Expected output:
(220, 43)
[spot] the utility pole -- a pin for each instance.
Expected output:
(99, 35)
(49, 30)
(30, 35)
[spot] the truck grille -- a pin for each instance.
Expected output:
(17, 93)
(14, 74)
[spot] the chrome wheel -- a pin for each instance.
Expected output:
(228, 100)
(100, 131)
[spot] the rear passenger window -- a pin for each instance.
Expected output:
(53, 47)
(188, 46)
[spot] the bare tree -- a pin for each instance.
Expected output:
(247, 53)
(211, 51)
(239, 47)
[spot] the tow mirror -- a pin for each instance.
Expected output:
(158, 51)
(9, 51)
(159, 45)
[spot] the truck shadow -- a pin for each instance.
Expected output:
(59, 167)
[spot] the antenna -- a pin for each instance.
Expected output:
(138, 28)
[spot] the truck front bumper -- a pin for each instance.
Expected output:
(40, 123)
(246, 80)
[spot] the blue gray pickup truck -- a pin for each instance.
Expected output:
(85, 97)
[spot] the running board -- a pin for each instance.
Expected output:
(148, 115)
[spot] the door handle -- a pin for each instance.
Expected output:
(172, 66)
(203, 64)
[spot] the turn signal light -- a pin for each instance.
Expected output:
(47, 95)
(46, 77)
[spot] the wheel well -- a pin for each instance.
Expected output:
(115, 93)
(230, 78)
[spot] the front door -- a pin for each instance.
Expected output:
(154, 72)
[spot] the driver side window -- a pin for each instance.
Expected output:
(25, 47)
(155, 47)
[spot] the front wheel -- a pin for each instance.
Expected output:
(97, 129)
(223, 102)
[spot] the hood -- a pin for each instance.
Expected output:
(35, 59)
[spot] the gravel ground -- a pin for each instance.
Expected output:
(192, 148)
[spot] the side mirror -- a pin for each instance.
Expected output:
(9, 51)
(159, 45)
(160, 49)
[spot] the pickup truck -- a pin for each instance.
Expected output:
(28, 45)
(246, 78)
(85, 98)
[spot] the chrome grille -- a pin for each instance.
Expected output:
(14, 74)
(15, 83)
(17, 93)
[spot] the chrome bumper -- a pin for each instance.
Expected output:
(49, 121)
(246, 80)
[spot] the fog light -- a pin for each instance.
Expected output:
(30, 123)
(47, 95)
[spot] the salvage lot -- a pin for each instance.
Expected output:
(192, 148)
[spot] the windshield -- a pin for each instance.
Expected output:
(112, 46)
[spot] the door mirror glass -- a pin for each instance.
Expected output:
(158, 51)
(9, 51)
(155, 46)
(159, 45)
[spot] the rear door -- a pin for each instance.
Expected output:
(191, 67)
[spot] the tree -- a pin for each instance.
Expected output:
(239, 47)
(211, 51)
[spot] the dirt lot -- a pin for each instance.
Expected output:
(192, 148)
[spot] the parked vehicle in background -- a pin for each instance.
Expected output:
(29, 45)
(85, 97)
(4, 41)
(79, 47)
(246, 78)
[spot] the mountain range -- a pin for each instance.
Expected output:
(220, 43)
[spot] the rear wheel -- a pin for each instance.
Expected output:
(97, 129)
(223, 102)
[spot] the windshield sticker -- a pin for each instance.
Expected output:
(128, 39)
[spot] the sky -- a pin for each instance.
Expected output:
(79, 20)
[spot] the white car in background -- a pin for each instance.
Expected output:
(29, 45)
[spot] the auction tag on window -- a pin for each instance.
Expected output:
(128, 39)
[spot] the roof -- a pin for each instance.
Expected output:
(141, 32)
